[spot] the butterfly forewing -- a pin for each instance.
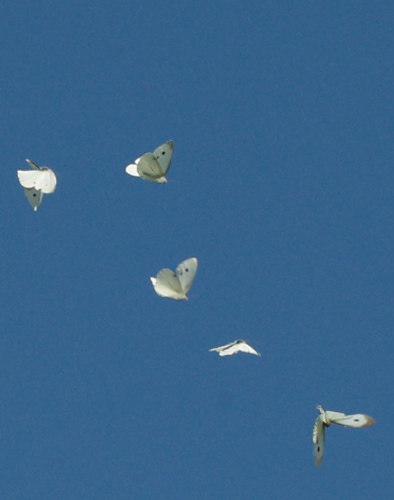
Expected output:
(46, 181)
(357, 420)
(163, 155)
(318, 438)
(244, 347)
(186, 271)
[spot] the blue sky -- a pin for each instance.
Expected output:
(281, 184)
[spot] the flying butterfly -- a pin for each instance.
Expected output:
(325, 419)
(153, 166)
(36, 183)
(176, 285)
(234, 347)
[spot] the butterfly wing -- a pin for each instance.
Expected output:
(149, 168)
(357, 420)
(42, 179)
(166, 284)
(132, 169)
(46, 181)
(224, 350)
(146, 167)
(318, 438)
(186, 272)
(234, 347)
(28, 178)
(34, 197)
(163, 154)
(244, 347)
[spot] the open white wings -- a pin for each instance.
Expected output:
(325, 419)
(153, 166)
(43, 179)
(234, 347)
(175, 286)
(37, 182)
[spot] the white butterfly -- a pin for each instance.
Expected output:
(36, 183)
(175, 286)
(325, 419)
(234, 347)
(153, 166)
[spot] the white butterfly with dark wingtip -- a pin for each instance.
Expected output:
(175, 286)
(234, 347)
(36, 183)
(153, 166)
(325, 419)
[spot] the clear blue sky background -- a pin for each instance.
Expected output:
(281, 184)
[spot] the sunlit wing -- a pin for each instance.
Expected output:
(43, 179)
(28, 178)
(132, 169)
(46, 181)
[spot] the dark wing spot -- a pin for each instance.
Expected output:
(163, 153)
(318, 448)
(186, 270)
(357, 420)
(34, 194)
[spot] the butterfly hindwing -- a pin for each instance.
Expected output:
(149, 168)
(34, 197)
(166, 284)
